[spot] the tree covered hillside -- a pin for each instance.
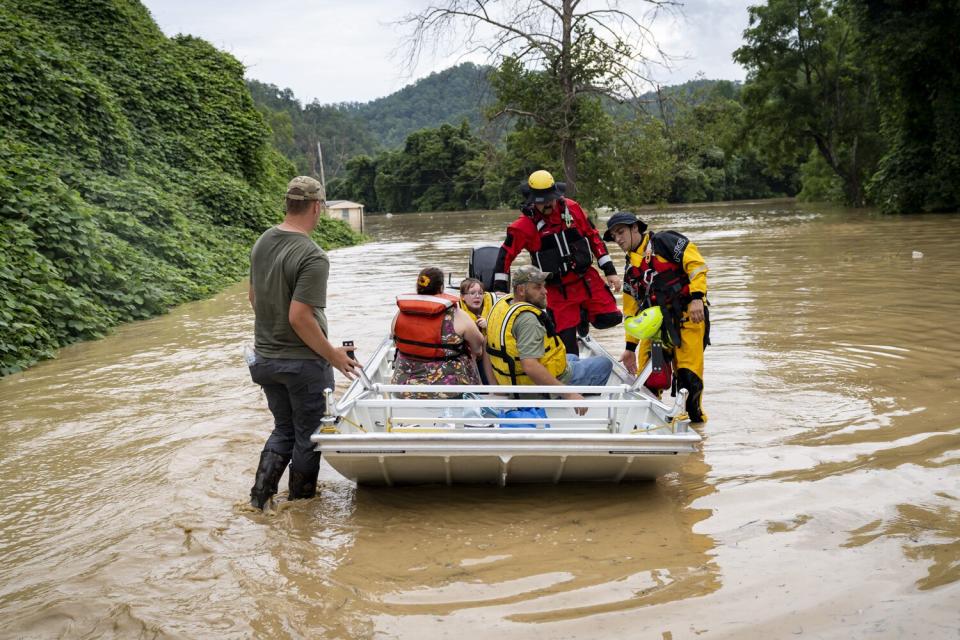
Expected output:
(297, 129)
(452, 96)
(446, 97)
(350, 129)
(134, 172)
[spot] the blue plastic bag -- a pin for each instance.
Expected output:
(524, 412)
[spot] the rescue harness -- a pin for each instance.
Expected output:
(561, 252)
(661, 283)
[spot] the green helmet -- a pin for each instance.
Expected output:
(646, 324)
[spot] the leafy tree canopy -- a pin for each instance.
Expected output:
(807, 88)
(567, 52)
(865, 94)
(134, 172)
(907, 47)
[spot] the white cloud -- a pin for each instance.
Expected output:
(705, 37)
(335, 51)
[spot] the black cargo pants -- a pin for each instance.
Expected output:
(294, 390)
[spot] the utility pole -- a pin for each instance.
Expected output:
(323, 179)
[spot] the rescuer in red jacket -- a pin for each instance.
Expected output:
(562, 241)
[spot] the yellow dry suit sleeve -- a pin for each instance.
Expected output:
(630, 308)
(696, 269)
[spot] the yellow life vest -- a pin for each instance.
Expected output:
(502, 344)
(484, 310)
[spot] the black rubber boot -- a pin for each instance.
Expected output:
(607, 320)
(687, 379)
(302, 485)
(268, 477)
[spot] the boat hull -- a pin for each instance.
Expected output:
(503, 458)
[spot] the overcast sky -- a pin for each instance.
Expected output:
(340, 51)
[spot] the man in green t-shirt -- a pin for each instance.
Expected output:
(294, 360)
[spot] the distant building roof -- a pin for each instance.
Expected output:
(342, 204)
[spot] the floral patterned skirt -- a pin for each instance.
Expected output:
(462, 370)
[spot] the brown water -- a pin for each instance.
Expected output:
(825, 503)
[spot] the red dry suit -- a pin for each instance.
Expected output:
(563, 242)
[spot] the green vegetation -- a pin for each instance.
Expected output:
(814, 95)
(350, 129)
(696, 152)
(865, 95)
(447, 97)
(907, 52)
(135, 172)
(846, 100)
(437, 170)
(565, 102)
(849, 101)
(556, 59)
(297, 129)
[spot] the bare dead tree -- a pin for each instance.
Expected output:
(584, 47)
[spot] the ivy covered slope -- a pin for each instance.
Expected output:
(135, 173)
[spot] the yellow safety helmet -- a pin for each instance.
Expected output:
(541, 188)
(646, 324)
(541, 179)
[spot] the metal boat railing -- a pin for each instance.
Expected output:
(380, 397)
(369, 395)
(499, 389)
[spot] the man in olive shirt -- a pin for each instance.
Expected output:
(294, 359)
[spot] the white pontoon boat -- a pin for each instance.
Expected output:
(375, 435)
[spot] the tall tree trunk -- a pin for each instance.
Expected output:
(855, 184)
(568, 148)
(568, 144)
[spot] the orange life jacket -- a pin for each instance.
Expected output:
(418, 331)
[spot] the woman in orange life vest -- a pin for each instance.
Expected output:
(435, 339)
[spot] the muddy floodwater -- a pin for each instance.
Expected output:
(825, 502)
